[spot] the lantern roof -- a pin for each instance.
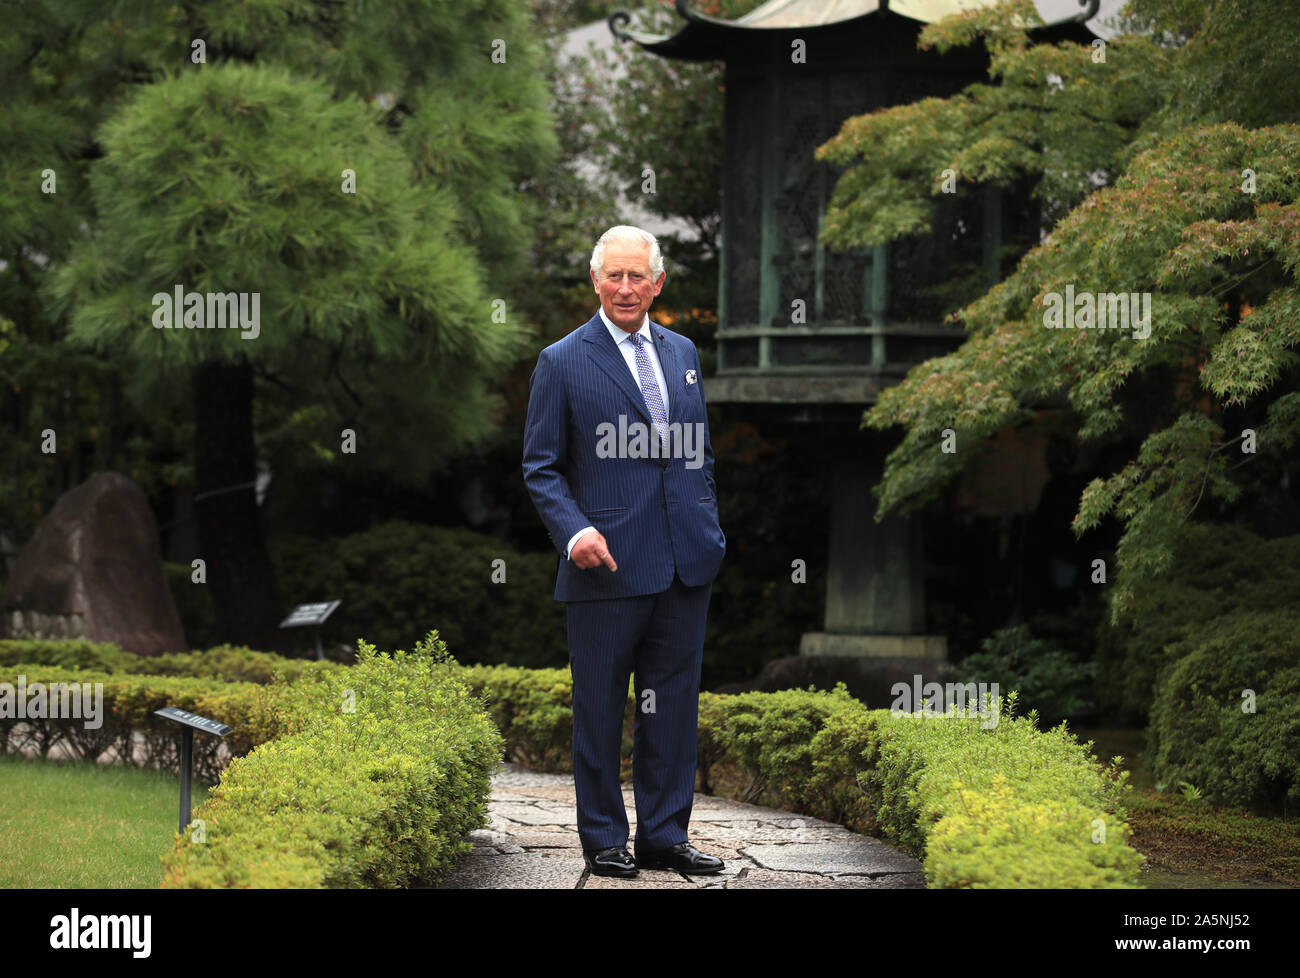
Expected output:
(704, 37)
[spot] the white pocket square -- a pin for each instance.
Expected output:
(690, 376)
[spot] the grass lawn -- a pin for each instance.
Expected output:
(68, 824)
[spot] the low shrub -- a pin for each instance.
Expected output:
(1226, 717)
(129, 702)
(533, 709)
(1218, 572)
(998, 805)
(398, 580)
(232, 663)
(798, 749)
(1048, 679)
(66, 653)
(381, 771)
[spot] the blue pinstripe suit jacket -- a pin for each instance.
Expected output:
(657, 514)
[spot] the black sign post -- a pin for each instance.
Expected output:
(311, 614)
(189, 723)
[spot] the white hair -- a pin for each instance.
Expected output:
(628, 233)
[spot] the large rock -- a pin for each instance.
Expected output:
(94, 570)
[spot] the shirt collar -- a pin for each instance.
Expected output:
(619, 334)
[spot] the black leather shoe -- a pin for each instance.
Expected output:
(683, 857)
(614, 861)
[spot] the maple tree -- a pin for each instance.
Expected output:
(1166, 167)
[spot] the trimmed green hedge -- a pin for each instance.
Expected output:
(798, 749)
(129, 702)
(231, 663)
(1009, 806)
(67, 654)
(533, 709)
(382, 770)
(1006, 807)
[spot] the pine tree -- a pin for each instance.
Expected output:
(354, 165)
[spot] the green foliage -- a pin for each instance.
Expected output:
(1049, 112)
(798, 748)
(234, 193)
(533, 709)
(66, 654)
(1161, 124)
(998, 840)
(383, 769)
(228, 663)
(376, 796)
(240, 169)
(1002, 806)
(398, 580)
(1215, 741)
(1216, 591)
(1048, 679)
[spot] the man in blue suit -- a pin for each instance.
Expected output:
(618, 462)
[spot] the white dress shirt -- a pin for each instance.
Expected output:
(623, 339)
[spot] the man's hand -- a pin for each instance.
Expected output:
(592, 551)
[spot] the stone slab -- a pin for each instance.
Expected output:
(646, 879)
(764, 879)
(754, 831)
(522, 871)
(545, 792)
(859, 855)
(547, 840)
(534, 814)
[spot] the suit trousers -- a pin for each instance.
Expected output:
(660, 638)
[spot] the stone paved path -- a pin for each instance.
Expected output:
(531, 842)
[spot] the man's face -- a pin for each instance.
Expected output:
(624, 284)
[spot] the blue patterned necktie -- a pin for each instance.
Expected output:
(650, 388)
